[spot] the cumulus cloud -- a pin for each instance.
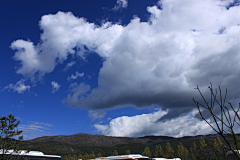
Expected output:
(161, 61)
(69, 65)
(148, 124)
(120, 5)
(158, 62)
(55, 86)
(77, 75)
(19, 87)
(35, 129)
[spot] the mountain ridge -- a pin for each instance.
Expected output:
(85, 139)
(82, 143)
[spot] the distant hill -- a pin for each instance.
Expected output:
(83, 139)
(86, 143)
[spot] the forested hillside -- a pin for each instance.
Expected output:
(90, 146)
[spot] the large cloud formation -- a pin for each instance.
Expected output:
(148, 124)
(159, 62)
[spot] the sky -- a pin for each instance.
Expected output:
(116, 67)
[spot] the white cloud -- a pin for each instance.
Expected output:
(20, 87)
(154, 124)
(31, 60)
(69, 65)
(187, 43)
(162, 61)
(120, 5)
(35, 129)
(149, 124)
(77, 74)
(55, 86)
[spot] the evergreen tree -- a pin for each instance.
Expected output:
(99, 155)
(92, 155)
(128, 152)
(219, 149)
(182, 152)
(168, 151)
(80, 156)
(8, 132)
(158, 152)
(74, 157)
(86, 156)
(71, 157)
(205, 150)
(218, 143)
(115, 153)
(194, 151)
(232, 141)
(147, 152)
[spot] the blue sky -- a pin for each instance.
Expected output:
(115, 67)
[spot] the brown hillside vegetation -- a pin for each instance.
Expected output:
(105, 145)
(83, 139)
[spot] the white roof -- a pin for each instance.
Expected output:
(24, 152)
(165, 159)
(130, 156)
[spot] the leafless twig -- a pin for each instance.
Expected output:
(225, 120)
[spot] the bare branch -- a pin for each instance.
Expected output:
(225, 120)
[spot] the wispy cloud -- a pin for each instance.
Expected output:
(35, 129)
(69, 65)
(19, 87)
(77, 74)
(55, 86)
(96, 114)
(120, 5)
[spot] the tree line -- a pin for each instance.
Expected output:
(201, 151)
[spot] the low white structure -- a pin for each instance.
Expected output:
(22, 152)
(124, 157)
(132, 157)
(31, 154)
(165, 159)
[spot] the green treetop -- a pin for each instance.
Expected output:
(158, 152)
(9, 136)
(147, 152)
(168, 151)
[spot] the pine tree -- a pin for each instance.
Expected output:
(218, 143)
(128, 152)
(86, 156)
(92, 155)
(194, 151)
(74, 157)
(69, 157)
(115, 153)
(182, 152)
(80, 156)
(99, 155)
(205, 150)
(219, 149)
(147, 152)
(234, 144)
(8, 132)
(168, 151)
(158, 153)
